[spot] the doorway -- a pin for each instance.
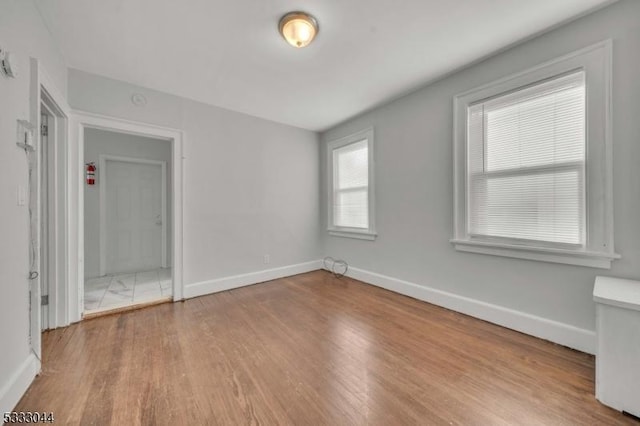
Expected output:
(83, 239)
(127, 221)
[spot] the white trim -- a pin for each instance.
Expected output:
(554, 331)
(236, 281)
(18, 383)
(58, 309)
(605, 44)
(544, 254)
(598, 251)
(102, 190)
(177, 138)
(50, 219)
(353, 234)
(364, 234)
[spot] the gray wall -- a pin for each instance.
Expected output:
(414, 178)
(102, 142)
(250, 185)
(23, 33)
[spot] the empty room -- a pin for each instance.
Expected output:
(320, 212)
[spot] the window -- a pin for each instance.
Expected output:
(350, 184)
(532, 161)
(526, 170)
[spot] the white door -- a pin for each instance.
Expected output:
(133, 216)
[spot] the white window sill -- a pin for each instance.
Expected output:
(360, 235)
(542, 254)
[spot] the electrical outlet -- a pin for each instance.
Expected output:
(265, 259)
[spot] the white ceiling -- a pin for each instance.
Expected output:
(228, 53)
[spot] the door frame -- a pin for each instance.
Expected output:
(46, 209)
(45, 97)
(102, 191)
(82, 120)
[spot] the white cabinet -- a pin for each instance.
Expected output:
(618, 348)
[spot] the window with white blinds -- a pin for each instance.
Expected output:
(533, 165)
(350, 186)
(527, 161)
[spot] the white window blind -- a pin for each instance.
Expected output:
(351, 185)
(526, 163)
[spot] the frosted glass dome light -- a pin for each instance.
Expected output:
(298, 28)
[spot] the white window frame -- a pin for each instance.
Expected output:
(598, 249)
(341, 231)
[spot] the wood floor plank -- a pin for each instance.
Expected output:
(309, 350)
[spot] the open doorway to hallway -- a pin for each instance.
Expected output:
(127, 220)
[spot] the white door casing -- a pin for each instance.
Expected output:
(50, 216)
(133, 223)
(48, 205)
(45, 180)
(80, 121)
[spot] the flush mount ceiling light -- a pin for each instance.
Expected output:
(298, 28)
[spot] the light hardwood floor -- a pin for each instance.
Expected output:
(309, 350)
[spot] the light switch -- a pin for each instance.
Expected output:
(22, 195)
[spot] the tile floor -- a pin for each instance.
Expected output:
(112, 291)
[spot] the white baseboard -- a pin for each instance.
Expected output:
(554, 331)
(18, 384)
(557, 332)
(235, 281)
